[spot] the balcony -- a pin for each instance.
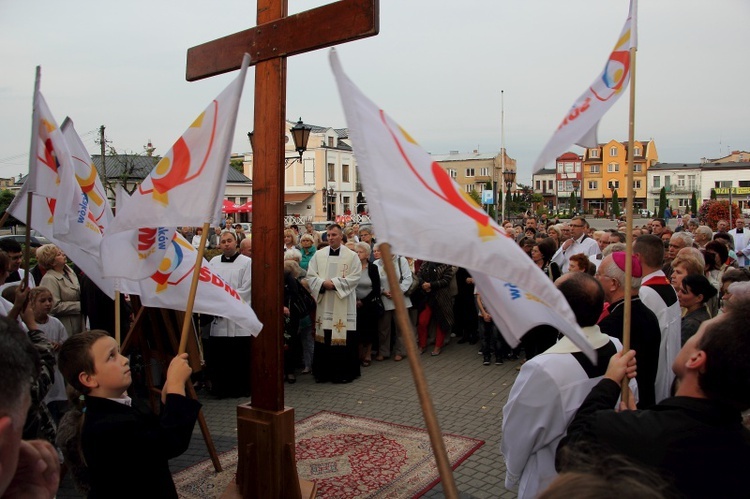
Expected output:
(675, 189)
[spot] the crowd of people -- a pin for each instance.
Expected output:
(689, 302)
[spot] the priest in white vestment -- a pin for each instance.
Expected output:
(333, 275)
(550, 388)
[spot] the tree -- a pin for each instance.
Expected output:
(694, 204)
(572, 202)
(713, 195)
(662, 202)
(6, 197)
(476, 197)
(238, 165)
(615, 205)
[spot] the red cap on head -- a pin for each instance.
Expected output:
(619, 257)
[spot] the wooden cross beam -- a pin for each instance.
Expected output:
(267, 466)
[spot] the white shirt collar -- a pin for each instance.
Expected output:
(124, 400)
(593, 334)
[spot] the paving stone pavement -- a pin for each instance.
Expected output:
(468, 399)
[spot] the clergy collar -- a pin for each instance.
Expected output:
(229, 259)
(334, 252)
(593, 335)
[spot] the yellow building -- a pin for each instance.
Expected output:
(605, 171)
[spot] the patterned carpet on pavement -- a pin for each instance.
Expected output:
(348, 457)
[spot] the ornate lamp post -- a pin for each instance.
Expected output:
(576, 185)
(300, 136)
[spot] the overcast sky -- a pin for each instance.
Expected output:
(436, 67)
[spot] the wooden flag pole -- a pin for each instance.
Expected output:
(406, 331)
(187, 322)
(117, 316)
(629, 227)
(27, 248)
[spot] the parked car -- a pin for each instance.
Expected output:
(35, 240)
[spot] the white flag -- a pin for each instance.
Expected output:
(186, 187)
(422, 213)
(580, 124)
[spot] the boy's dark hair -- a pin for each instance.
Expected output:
(726, 377)
(75, 357)
(651, 250)
(585, 296)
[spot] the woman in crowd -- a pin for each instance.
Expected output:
(307, 249)
(369, 306)
(542, 253)
(730, 277)
(385, 323)
(196, 242)
(688, 261)
(555, 233)
(693, 294)
(64, 286)
(290, 240)
(435, 279)
(578, 263)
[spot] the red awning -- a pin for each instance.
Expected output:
(229, 207)
(246, 207)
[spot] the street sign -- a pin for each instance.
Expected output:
(487, 197)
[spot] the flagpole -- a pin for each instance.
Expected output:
(502, 150)
(629, 228)
(187, 322)
(428, 410)
(117, 316)
(32, 164)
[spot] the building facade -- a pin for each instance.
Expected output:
(679, 182)
(543, 182)
(473, 170)
(605, 172)
(568, 179)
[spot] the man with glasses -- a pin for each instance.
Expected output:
(679, 240)
(579, 242)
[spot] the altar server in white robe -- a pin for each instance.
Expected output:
(550, 388)
(229, 344)
(333, 275)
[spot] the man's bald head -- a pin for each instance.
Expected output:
(246, 247)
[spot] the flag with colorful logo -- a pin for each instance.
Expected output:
(186, 187)
(87, 177)
(580, 123)
(169, 287)
(428, 216)
(42, 219)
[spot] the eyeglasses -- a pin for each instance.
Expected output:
(574, 225)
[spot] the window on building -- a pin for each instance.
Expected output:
(470, 172)
(636, 151)
(347, 204)
(593, 153)
(613, 167)
(613, 151)
(680, 180)
(637, 167)
(452, 172)
(484, 172)
(345, 173)
(330, 141)
(309, 166)
(636, 184)
(744, 183)
(550, 184)
(593, 185)
(691, 182)
(469, 188)
(569, 167)
(723, 183)
(613, 183)
(560, 167)
(538, 184)
(331, 172)
(657, 181)
(667, 181)
(561, 186)
(595, 169)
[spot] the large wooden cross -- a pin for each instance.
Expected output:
(267, 466)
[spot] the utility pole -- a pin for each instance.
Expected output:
(102, 144)
(502, 149)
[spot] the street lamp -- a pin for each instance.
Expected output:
(612, 199)
(576, 185)
(300, 136)
(509, 176)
